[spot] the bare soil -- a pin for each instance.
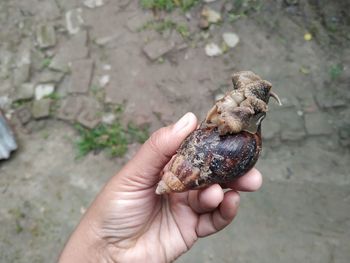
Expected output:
(302, 212)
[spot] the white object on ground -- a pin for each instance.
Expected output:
(231, 39)
(104, 80)
(213, 50)
(211, 15)
(74, 20)
(93, 3)
(44, 90)
(7, 139)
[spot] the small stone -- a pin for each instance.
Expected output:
(93, 3)
(23, 114)
(70, 108)
(50, 76)
(211, 15)
(300, 113)
(102, 41)
(231, 39)
(213, 50)
(104, 80)
(71, 50)
(43, 90)
(39, 60)
(74, 20)
(316, 124)
(45, 35)
(81, 76)
(89, 116)
(203, 23)
(24, 92)
(157, 48)
(41, 108)
(21, 75)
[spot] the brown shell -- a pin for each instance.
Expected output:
(206, 158)
(228, 142)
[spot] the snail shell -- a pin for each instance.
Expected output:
(206, 158)
(228, 142)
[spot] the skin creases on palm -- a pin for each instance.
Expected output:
(150, 228)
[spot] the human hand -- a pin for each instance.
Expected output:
(128, 222)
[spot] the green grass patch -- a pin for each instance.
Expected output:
(46, 62)
(168, 5)
(114, 138)
(335, 71)
(54, 96)
(137, 134)
(183, 30)
(244, 8)
(17, 215)
(19, 103)
(164, 25)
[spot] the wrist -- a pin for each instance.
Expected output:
(86, 243)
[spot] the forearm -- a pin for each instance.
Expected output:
(82, 246)
(86, 244)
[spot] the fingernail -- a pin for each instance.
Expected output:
(182, 123)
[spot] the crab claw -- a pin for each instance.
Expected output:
(274, 95)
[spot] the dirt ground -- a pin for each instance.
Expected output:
(302, 212)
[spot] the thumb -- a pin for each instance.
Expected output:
(157, 151)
